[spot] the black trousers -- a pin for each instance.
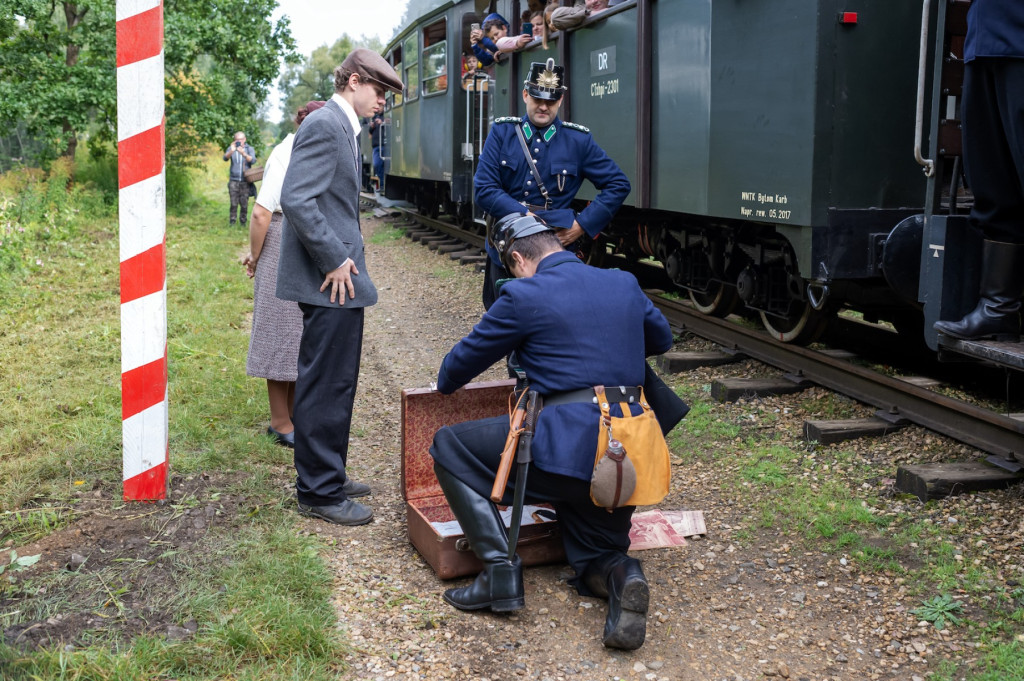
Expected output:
(492, 273)
(992, 112)
(471, 451)
(325, 389)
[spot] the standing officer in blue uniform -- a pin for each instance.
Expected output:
(573, 327)
(564, 153)
(992, 114)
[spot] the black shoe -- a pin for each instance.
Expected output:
(231, 223)
(283, 439)
(351, 488)
(347, 512)
(628, 599)
(499, 587)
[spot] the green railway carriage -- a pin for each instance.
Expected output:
(770, 145)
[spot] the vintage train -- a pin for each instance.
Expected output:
(796, 158)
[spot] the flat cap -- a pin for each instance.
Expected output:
(369, 64)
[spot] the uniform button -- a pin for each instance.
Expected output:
(503, 163)
(526, 193)
(529, 183)
(536, 151)
(565, 172)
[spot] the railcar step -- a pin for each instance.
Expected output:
(939, 480)
(732, 389)
(677, 362)
(828, 432)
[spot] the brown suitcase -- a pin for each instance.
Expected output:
(424, 411)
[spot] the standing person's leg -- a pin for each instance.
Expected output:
(278, 395)
(328, 372)
(993, 118)
(233, 209)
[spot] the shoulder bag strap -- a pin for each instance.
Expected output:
(533, 166)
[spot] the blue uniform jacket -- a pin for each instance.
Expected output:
(565, 154)
(572, 326)
(995, 28)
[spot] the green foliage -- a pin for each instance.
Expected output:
(20, 563)
(57, 75)
(313, 78)
(939, 610)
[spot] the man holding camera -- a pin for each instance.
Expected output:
(241, 156)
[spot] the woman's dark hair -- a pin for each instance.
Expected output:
(300, 116)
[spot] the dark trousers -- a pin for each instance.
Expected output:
(993, 129)
(378, 164)
(238, 190)
(332, 342)
(492, 274)
(471, 452)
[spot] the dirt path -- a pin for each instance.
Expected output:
(720, 609)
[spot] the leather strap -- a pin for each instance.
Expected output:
(628, 393)
(533, 166)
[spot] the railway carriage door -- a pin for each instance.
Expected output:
(477, 86)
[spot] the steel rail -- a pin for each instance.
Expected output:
(471, 238)
(986, 430)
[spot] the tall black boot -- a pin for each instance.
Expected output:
(621, 579)
(500, 586)
(997, 315)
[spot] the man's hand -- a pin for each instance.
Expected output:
(569, 236)
(340, 281)
(250, 265)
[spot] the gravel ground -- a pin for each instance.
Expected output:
(731, 605)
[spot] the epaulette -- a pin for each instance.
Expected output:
(576, 126)
(508, 119)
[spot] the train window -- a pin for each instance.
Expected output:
(412, 74)
(396, 61)
(435, 58)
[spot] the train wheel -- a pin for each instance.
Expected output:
(802, 327)
(720, 301)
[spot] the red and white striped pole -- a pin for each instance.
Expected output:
(142, 217)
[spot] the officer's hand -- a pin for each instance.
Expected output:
(569, 236)
(340, 281)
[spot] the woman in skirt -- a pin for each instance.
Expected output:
(276, 323)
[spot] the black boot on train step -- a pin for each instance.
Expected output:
(500, 586)
(997, 315)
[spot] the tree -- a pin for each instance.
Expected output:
(58, 76)
(313, 78)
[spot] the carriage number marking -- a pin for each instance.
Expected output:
(764, 199)
(608, 87)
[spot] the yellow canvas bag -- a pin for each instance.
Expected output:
(645, 449)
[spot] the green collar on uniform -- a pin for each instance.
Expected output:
(548, 134)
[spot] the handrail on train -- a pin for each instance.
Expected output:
(922, 63)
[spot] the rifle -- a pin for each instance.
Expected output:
(508, 453)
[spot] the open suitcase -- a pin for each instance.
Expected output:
(432, 527)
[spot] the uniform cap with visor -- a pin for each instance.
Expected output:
(545, 81)
(505, 231)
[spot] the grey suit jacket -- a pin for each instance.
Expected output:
(320, 201)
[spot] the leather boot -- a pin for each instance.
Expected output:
(997, 315)
(500, 586)
(621, 580)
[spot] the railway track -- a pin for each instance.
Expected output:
(999, 435)
(897, 401)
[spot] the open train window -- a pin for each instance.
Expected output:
(435, 58)
(412, 73)
(392, 99)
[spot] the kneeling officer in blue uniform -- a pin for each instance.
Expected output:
(573, 327)
(535, 164)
